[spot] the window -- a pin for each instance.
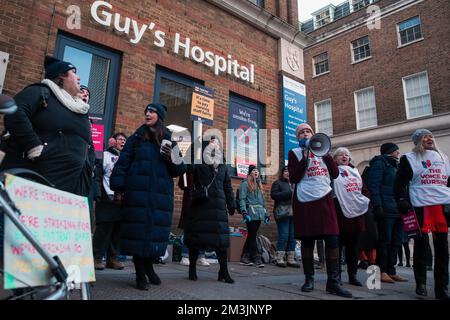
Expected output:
(307, 26)
(175, 91)
(323, 18)
(366, 111)
(409, 30)
(342, 10)
(321, 63)
(245, 120)
(417, 95)
(359, 4)
(98, 69)
(259, 3)
(324, 118)
(361, 49)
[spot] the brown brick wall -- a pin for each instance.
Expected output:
(385, 69)
(24, 26)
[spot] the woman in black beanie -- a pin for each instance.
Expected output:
(143, 174)
(51, 130)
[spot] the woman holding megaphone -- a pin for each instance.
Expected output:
(312, 168)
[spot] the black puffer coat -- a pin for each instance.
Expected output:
(206, 224)
(66, 160)
(145, 177)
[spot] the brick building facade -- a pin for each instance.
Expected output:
(376, 76)
(133, 61)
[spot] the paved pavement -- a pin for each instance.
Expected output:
(251, 283)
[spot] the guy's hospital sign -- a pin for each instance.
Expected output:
(102, 12)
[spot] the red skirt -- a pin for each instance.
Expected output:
(315, 218)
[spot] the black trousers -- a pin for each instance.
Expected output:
(390, 237)
(107, 239)
(441, 259)
(250, 243)
(350, 242)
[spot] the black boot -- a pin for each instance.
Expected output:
(354, 281)
(150, 273)
(141, 280)
(442, 294)
(193, 255)
(308, 269)
(421, 289)
(223, 271)
(333, 285)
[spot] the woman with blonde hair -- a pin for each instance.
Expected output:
(423, 185)
(253, 208)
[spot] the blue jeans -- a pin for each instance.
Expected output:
(390, 236)
(286, 234)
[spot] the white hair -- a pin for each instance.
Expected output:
(340, 151)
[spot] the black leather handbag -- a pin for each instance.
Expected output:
(200, 195)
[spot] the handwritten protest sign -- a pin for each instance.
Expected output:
(60, 221)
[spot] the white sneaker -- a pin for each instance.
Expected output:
(202, 262)
(184, 261)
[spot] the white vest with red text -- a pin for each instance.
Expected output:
(347, 187)
(428, 185)
(316, 181)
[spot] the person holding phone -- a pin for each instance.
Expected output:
(206, 221)
(143, 174)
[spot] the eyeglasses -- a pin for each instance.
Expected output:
(121, 139)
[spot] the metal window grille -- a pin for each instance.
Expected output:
(98, 81)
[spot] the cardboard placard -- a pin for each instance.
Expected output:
(60, 222)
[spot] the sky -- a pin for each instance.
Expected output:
(306, 7)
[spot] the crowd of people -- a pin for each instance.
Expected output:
(316, 197)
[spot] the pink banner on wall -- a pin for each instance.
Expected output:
(98, 132)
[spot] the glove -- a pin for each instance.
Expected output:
(266, 220)
(35, 152)
(166, 152)
(303, 143)
(247, 218)
(231, 211)
(403, 206)
(378, 212)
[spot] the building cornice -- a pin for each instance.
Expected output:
(395, 131)
(264, 21)
(384, 12)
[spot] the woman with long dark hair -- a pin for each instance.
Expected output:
(144, 175)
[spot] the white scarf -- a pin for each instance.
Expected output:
(74, 104)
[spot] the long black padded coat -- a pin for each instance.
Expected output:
(145, 177)
(206, 224)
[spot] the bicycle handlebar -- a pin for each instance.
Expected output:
(27, 174)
